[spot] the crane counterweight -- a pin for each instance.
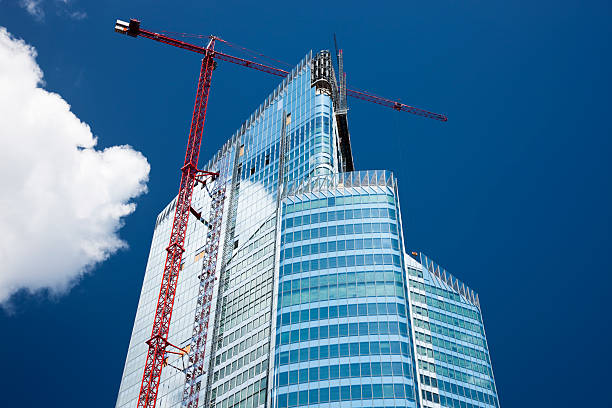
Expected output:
(121, 26)
(132, 28)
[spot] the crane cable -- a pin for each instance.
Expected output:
(255, 54)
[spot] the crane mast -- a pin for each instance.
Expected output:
(158, 342)
(163, 312)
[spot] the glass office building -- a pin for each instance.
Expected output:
(315, 301)
(451, 353)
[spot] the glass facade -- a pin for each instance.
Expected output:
(315, 301)
(342, 333)
(452, 356)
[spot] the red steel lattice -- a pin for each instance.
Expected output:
(163, 313)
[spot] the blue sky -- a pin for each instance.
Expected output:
(512, 195)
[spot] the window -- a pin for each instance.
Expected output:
(293, 399)
(303, 375)
(344, 371)
(324, 395)
(303, 397)
(377, 391)
(323, 373)
(345, 393)
(334, 394)
(334, 372)
(314, 396)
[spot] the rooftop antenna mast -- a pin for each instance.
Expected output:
(342, 105)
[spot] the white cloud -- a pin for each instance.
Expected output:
(62, 201)
(63, 8)
(77, 15)
(34, 8)
(255, 209)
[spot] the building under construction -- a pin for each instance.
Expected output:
(286, 282)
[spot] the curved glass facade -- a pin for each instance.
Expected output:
(342, 336)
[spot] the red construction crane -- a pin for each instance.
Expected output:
(189, 173)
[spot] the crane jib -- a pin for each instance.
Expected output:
(133, 29)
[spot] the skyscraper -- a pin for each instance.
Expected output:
(315, 301)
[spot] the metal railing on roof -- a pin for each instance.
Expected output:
(366, 178)
(455, 284)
